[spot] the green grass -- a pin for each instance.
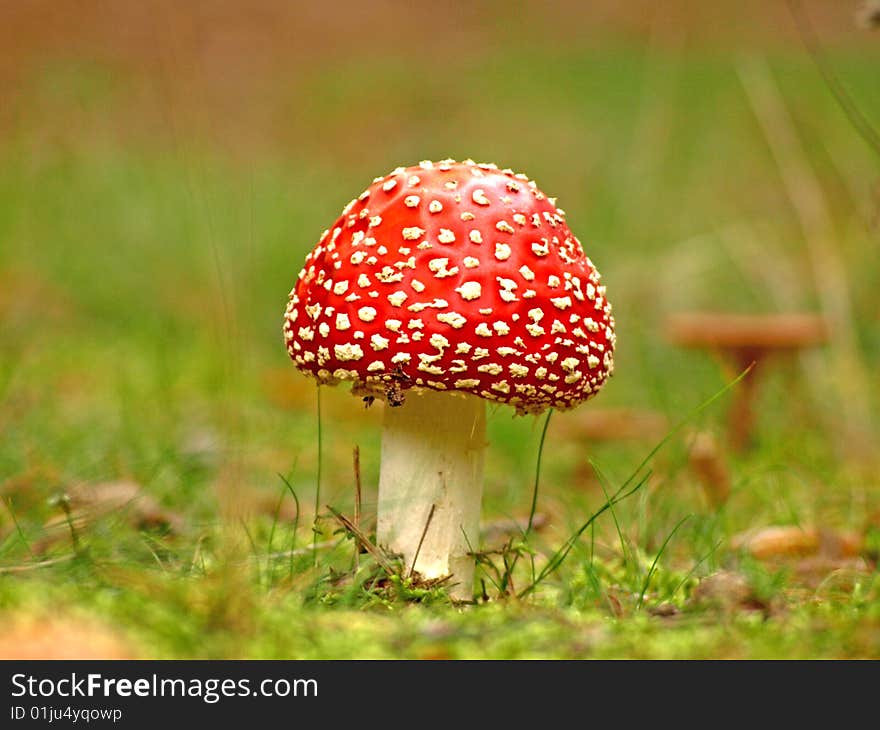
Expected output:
(141, 292)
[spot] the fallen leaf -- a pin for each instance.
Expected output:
(141, 509)
(725, 587)
(821, 571)
(663, 610)
(793, 541)
(88, 503)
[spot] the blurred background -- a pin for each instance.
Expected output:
(165, 167)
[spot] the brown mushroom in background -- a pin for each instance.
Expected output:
(742, 341)
(781, 541)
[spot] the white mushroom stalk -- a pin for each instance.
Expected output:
(431, 485)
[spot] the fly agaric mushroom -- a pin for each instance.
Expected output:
(443, 286)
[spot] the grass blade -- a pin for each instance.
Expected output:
(292, 491)
(508, 569)
(603, 481)
(537, 475)
(657, 558)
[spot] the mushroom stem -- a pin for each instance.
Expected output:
(432, 455)
(742, 411)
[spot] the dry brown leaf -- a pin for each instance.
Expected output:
(822, 571)
(142, 509)
(663, 610)
(792, 541)
(91, 502)
(725, 587)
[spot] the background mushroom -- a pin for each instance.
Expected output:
(743, 340)
(443, 286)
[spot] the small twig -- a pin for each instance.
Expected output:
(365, 542)
(36, 566)
(412, 568)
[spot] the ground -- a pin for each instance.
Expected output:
(161, 180)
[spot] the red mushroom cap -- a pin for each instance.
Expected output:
(453, 276)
